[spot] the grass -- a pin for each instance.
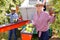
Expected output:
(4, 35)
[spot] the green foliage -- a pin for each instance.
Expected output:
(56, 4)
(56, 25)
(5, 6)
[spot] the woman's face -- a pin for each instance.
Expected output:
(39, 7)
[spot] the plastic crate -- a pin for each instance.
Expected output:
(26, 36)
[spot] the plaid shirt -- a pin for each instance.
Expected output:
(12, 17)
(42, 21)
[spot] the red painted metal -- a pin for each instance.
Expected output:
(13, 26)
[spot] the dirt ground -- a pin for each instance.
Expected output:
(55, 39)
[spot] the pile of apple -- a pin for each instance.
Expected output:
(29, 28)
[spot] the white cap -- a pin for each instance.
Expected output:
(13, 8)
(39, 3)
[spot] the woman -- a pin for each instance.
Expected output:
(41, 20)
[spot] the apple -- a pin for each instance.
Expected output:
(15, 20)
(19, 28)
(31, 24)
(30, 29)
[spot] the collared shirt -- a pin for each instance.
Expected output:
(12, 17)
(42, 21)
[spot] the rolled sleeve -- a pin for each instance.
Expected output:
(52, 18)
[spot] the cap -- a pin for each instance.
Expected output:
(39, 3)
(13, 8)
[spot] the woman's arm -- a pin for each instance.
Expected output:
(52, 18)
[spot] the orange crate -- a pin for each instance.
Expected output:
(26, 36)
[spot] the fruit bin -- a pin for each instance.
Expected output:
(26, 35)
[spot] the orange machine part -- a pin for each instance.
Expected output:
(26, 36)
(13, 26)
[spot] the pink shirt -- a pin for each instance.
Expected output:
(41, 21)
